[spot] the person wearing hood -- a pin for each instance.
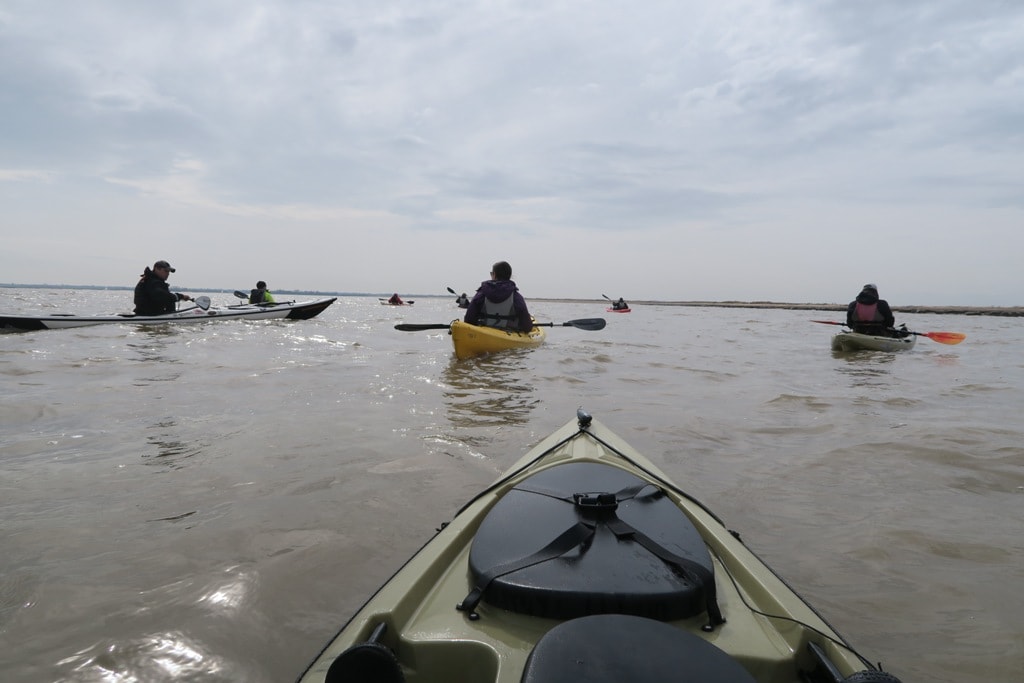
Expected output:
(867, 314)
(498, 303)
(153, 296)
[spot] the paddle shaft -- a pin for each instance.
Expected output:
(413, 327)
(582, 323)
(941, 337)
(590, 324)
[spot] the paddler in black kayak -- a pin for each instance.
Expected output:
(498, 302)
(153, 296)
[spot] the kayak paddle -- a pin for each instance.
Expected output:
(202, 302)
(941, 337)
(590, 324)
(241, 295)
(412, 327)
(452, 291)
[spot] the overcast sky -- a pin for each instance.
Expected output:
(662, 149)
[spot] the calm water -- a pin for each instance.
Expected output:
(212, 502)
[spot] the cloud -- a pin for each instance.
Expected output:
(741, 134)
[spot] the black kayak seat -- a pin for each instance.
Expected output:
(606, 572)
(618, 648)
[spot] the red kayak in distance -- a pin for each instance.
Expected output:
(618, 310)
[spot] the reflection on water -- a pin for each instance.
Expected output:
(156, 343)
(865, 368)
(158, 657)
(489, 390)
(171, 655)
(171, 450)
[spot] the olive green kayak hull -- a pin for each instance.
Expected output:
(442, 617)
(854, 341)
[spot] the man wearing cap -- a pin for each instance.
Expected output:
(868, 314)
(153, 296)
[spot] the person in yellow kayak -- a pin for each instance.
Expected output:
(498, 303)
(868, 314)
(261, 295)
(153, 296)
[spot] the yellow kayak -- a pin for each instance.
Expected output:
(473, 340)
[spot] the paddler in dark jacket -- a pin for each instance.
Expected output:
(868, 314)
(261, 295)
(498, 303)
(153, 296)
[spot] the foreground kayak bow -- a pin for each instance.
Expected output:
(584, 562)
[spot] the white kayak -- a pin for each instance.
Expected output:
(201, 312)
(855, 341)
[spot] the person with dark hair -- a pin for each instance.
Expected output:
(153, 296)
(498, 303)
(261, 295)
(867, 314)
(620, 305)
(462, 301)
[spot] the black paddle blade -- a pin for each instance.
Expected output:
(591, 324)
(413, 327)
(241, 295)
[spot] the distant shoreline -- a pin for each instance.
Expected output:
(1004, 311)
